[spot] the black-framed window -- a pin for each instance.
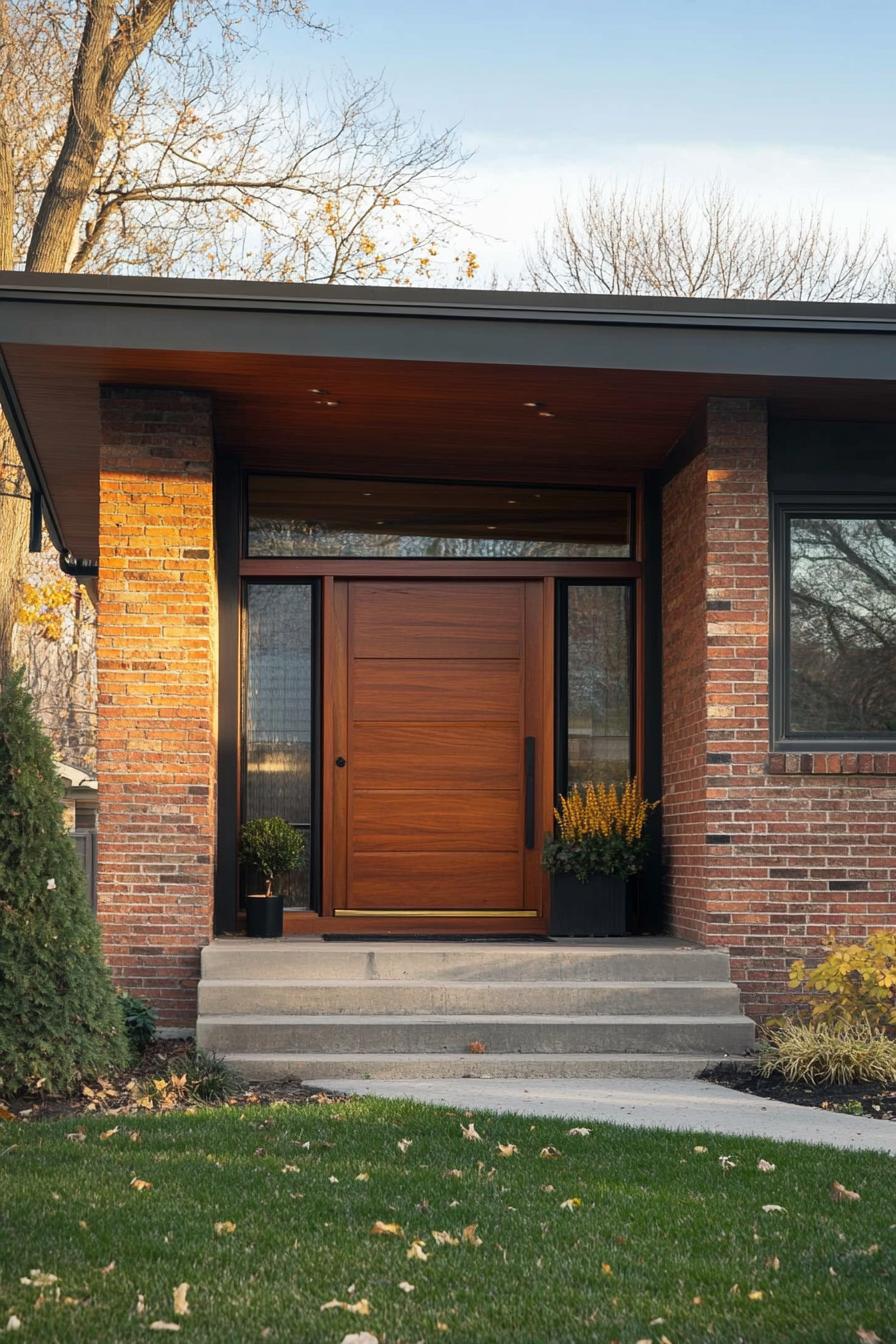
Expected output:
(834, 644)
(347, 517)
(280, 775)
(594, 682)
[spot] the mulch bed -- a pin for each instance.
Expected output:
(868, 1099)
(119, 1093)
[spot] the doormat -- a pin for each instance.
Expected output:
(435, 938)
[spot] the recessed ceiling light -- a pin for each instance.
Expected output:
(491, 527)
(367, 494)
(317, 391)
(511, 501)
(547, 415)
(380, 522)
(331, 403)
(531, 405)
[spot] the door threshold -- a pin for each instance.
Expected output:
(433, 938)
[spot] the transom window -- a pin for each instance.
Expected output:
(836, 646)
(302, 516)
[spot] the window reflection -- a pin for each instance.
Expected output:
(598, 683)
(842, 625)
(278, 712)
(302, 516)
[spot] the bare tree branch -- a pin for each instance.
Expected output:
(703, 244)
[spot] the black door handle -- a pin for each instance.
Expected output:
(529, 762)
(340, 761)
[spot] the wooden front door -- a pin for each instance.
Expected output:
(439, 749)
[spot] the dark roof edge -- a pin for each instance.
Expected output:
(18, 426)
(487, 305)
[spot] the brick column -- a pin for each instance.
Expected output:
(764, 854)
(156, 650)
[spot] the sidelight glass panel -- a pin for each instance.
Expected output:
(841, 603)
(407, 520)
(598, 683)
(279, 712)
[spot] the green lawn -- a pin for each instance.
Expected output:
(665, 1243)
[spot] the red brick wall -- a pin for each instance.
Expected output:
(156, 661)
(684, 709)
(793, 846)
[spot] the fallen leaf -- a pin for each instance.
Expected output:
(607, 1269)
(440, 1325)
(334, 1180)
(108, 1134)
(359, 1308)
(141, 1304)
(469, 1235)
(445, 1239)
(773, 1263)
(360, 1337)
(469, 1132)
(580, 1131)
(288, 1169)
(762, 1165)
(137, 1184)
(225, 1228)
(107, 1269)
(868, 1336)
(381, 1229)
(840, 1194)
(76, 1136)
(456, 1173)
(404, 1144)
(406, 1287)
(363, 1176)
(550, 1152)
(773, 1208)
(7, 1114)
(727, 1163)
(507, 1149)
(477, 1048)
(38, 1279)
(547, 1189)
(164, 1325)
(571, 1204)
(700, 1149)
(416, 1251)
(755, 1294)
(180, 1300)
(13, 1323)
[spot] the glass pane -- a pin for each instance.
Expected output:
(278, 712)
(297, 516)
(842, 606)
(598, 683)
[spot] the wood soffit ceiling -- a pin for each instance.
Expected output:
(396, 417)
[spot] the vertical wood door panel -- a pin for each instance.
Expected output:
(436, 686)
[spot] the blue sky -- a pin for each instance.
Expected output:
(792, 102)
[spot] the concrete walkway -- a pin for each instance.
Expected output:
(667, 1104)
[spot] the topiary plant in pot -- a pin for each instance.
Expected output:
(600, 843)
(274, 848)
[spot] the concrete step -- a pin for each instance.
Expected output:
(565, 997)
(312, 959)
(270, 1068)
(417, 1034)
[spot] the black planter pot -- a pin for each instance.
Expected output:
(592, 909)
(264, 916)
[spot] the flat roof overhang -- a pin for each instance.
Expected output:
(421, 377)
